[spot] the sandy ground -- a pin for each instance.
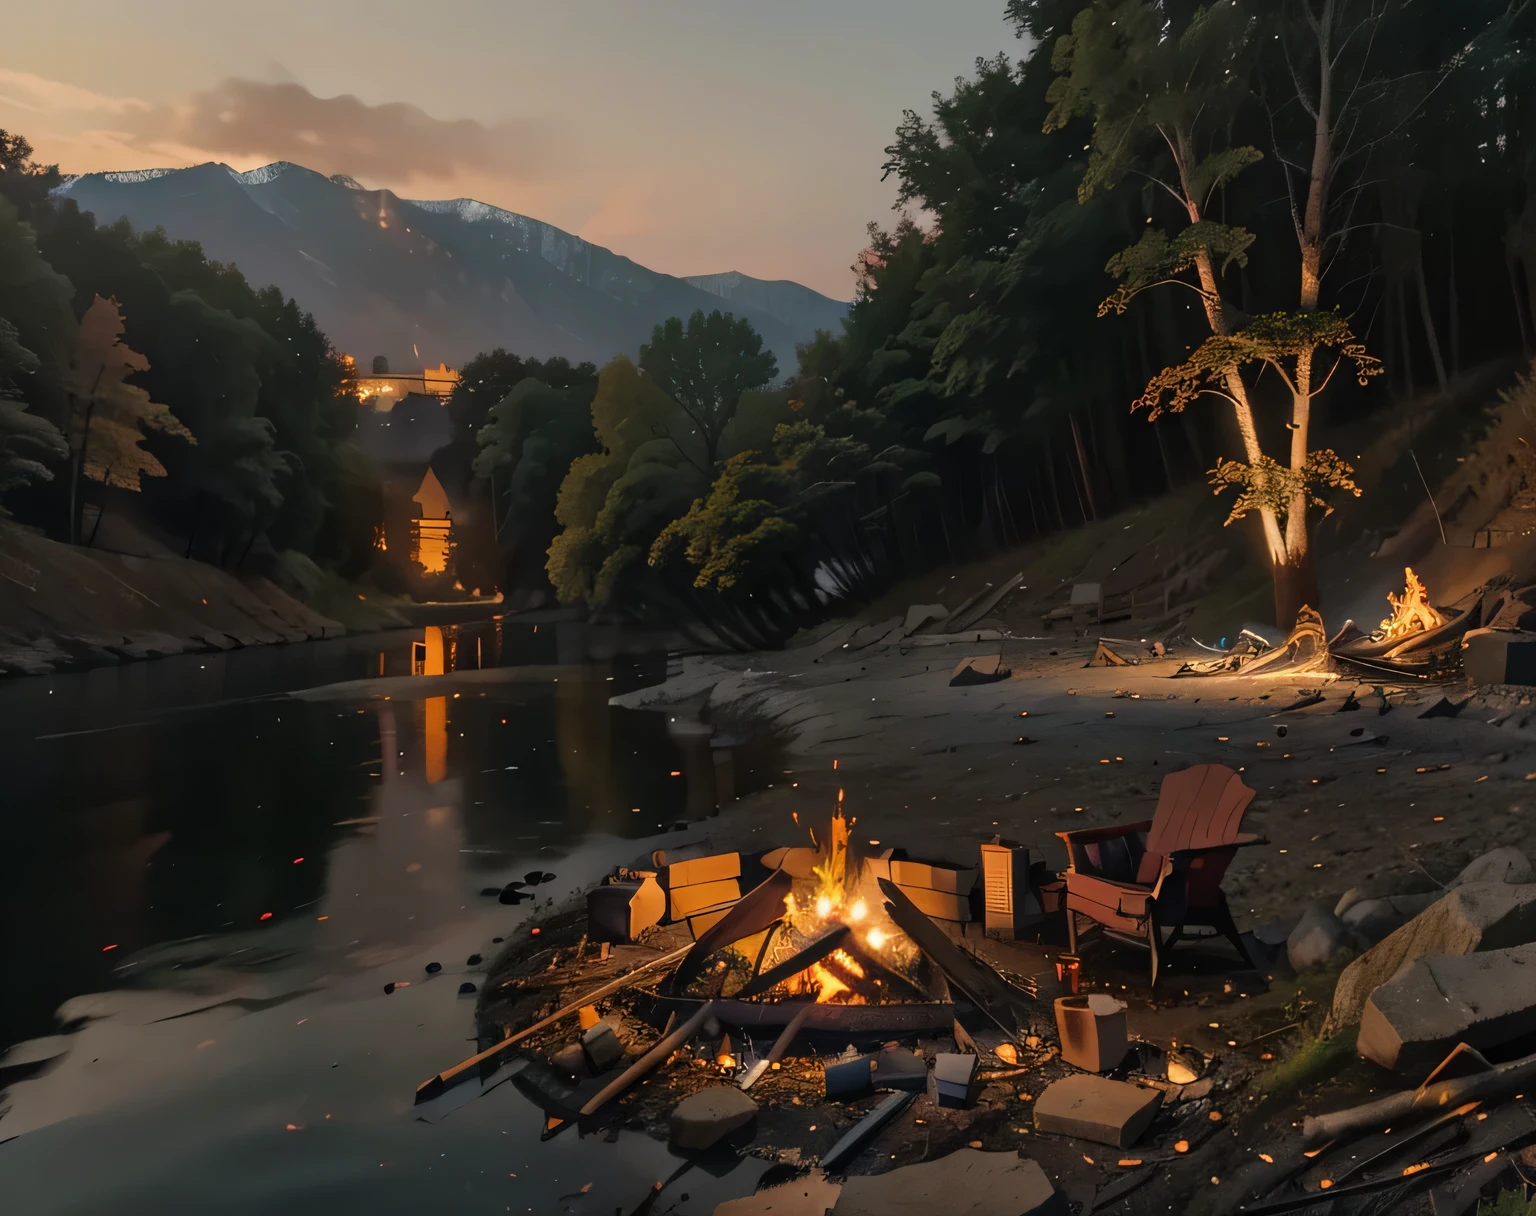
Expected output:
(939, 769)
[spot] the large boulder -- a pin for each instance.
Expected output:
(965, 1183)
(1507, 864)
(1320, 940)
(702, 1119)
(1478, 916)
(1413, 1021)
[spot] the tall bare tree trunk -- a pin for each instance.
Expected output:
(1215, 316)
(1082, 464)
(1402, 334)
(1514, 289)
(1453, 302)
(1428, 319)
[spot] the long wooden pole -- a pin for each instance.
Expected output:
(1478, 1087)
(434, 1086)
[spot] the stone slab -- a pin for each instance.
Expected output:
(1411, 1022)
(1096, 1108)
(813, 1195)
(965, 1183)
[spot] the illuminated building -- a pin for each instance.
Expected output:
(432, 529)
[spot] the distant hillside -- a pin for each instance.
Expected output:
(424, 281)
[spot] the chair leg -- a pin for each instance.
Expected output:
(1227, 927)
(1154, 942)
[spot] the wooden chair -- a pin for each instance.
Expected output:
(1138, 879)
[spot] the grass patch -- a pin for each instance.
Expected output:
(1316, 1057)
(1508, 1203)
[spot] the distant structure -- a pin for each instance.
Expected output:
(432, 529)
(383, 390)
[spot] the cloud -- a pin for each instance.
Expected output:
(283, 120)
(29, 92)
(250, 121)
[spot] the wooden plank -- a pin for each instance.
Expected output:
(684, 902)
(754, 912)
(985, 990)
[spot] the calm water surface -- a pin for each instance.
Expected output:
(210, 882)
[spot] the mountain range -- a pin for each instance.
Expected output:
(422, 282)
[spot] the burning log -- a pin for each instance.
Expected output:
(1411, 612)
(802, 960)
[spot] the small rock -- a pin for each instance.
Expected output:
(704, 1118)
(473, 960)
(571, 1060)
(602, 1047)
(496, 941)
(533, 878)
(1347, 901)
(1320, 940)
(467, 988)
(434, 968)
(1373, 919)
(388, 988)
(1507, 864)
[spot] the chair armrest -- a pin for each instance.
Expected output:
(1092, 835)
(1238, 842)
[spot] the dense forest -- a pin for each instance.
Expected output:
(1172, 243)
(1169, 243)
(130, 361)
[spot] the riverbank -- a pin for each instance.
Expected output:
(65, 607)
(1356, 791)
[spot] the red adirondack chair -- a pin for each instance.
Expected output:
(1138, 879)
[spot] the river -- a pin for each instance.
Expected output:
(211, 871)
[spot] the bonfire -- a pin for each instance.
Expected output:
(1411, 612)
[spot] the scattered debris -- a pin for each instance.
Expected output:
(980, 669)
(861, 1132)
(1445, 708)
(434, 1086)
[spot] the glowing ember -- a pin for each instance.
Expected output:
(877, 938)
(1411, 612)
(858, 912)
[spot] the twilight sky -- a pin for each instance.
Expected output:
(691, 135)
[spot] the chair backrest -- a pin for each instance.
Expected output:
(1197, 808)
